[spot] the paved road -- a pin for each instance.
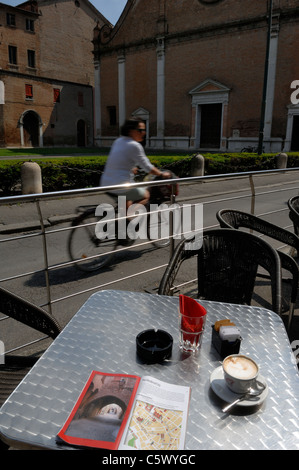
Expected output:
(26, 254)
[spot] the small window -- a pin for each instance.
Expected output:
(29, 25)
(56, 95)
(80, 99)
(29, 92)
(31, 58)
(10, 19)
(112, 115)
(12, 55)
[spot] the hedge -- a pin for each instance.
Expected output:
(81, 172)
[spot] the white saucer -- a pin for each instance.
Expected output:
(219, 386)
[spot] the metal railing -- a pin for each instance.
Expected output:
(248, 192)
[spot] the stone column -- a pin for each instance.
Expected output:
(271, 79)
(224, 132)
(97, 101)
(22, 134)
(121, 89)
(2, 130)
(160, 91)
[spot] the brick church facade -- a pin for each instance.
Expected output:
(47, 73)
(194, 70)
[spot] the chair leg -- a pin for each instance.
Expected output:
(290, 318)
(3, 446)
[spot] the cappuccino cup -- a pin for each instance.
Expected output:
(240, 372)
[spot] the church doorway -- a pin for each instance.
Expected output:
(81, 133)
(31, 129)
(210, 128)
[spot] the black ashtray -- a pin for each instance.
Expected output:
(154, 345)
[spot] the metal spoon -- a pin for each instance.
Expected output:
(252, 392)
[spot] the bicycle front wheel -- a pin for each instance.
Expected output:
(87, 251)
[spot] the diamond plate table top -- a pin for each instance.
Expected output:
(101, 336)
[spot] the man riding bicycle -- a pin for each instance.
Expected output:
(125, 155)
(90, 245)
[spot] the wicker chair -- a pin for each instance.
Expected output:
(227, 264)
(229, 218)
(15, 367)
(293, 204)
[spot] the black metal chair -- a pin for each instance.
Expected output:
(227, 264)
(15, 367)
(230, 218)
(293, 204)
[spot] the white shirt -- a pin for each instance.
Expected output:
(124, 155)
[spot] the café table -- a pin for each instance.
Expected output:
(102, 336)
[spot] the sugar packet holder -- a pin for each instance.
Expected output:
(226, 338)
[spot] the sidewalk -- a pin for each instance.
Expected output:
(23, 217)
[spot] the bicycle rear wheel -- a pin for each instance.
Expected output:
(87, 251)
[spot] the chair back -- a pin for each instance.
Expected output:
(24, 311)
(15, 367)
(227, 265)
(230, 218)
(293, 204)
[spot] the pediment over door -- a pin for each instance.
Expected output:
(208, 86)
(141, 113)
(209, 91)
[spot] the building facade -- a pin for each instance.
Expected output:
(195, 71)
(47, 73)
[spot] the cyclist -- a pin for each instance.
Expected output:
(126, 154)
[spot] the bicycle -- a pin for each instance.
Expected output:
(251, 149)
(90, 253)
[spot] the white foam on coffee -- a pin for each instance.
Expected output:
(240, 367)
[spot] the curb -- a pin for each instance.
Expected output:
(35, 224)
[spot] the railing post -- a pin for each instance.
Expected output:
(172, 201)
(252, 194)
(45, 251)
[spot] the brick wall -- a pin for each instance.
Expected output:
(66, 41)
(62, 41)
(19, 37)
(223, 41)
(59, 120)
